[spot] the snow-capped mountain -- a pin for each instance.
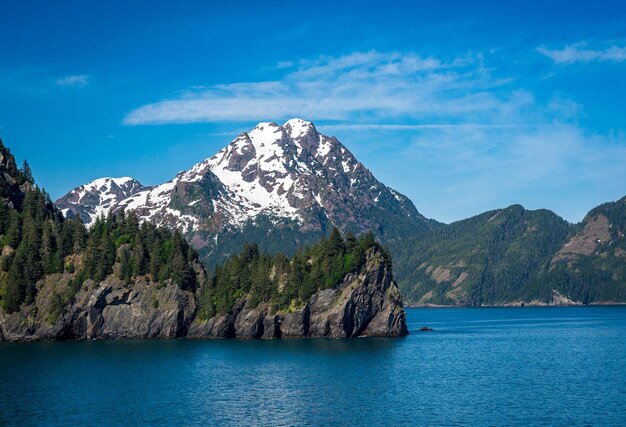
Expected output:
(268, 181)
(97, 198)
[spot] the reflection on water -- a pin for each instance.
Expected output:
(478, 366)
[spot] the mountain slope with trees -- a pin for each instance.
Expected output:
(591, 265)
(514, 256)
(286, 282)
(37, 241)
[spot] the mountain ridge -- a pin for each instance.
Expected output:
(514, 256)
(286, 180)
(97, 198)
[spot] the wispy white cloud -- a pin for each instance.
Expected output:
(370, 86)
(394, 127)
(454, 136)
(457, 172)
(77, 80)
(284, 64)
(580, 52)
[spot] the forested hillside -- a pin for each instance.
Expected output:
(514, 255)
(286, 282)
(37, 241)
(591, 265)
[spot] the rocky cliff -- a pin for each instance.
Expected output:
(365, 303)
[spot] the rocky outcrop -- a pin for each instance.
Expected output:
(365, 303)
(143, 311)
(556, 300)
(108, 310)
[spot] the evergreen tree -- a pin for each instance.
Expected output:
(335, 244)
(350, 241)
(155, 261)
(125, 268)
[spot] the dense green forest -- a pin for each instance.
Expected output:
(601, 275)
(510, 255)
(285, 238)
(282, 281)
(498, 253)
(37, 241)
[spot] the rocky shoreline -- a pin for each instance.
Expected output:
(557, 300)
(365, 303)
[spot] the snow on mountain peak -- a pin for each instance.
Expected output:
(289, 172)
(98, 197)
(296, 128)
(108, 181)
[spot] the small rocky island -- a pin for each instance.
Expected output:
(366, 302)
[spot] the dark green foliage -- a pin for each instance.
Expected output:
(509, 255)
(36, 241)
(41, 240)
(501, 252)
(120, 238)
(12, 179)
(33, 235)
(271, 238)
(27, 174)
(283, 281)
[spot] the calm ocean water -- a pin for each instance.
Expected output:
(538, 366)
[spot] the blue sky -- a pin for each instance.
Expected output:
(462, 106)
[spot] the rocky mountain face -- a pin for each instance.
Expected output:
(107, 310)
(591, 265)
(278, 186)
(514, 256)
(97, 198)
(365, 303)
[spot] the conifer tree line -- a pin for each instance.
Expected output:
(282, 281)
(36, 240)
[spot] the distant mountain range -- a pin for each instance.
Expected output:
(513, 256)
(285, 186)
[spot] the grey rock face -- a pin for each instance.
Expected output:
(109, 310)
(143, 311)
(366, 303)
